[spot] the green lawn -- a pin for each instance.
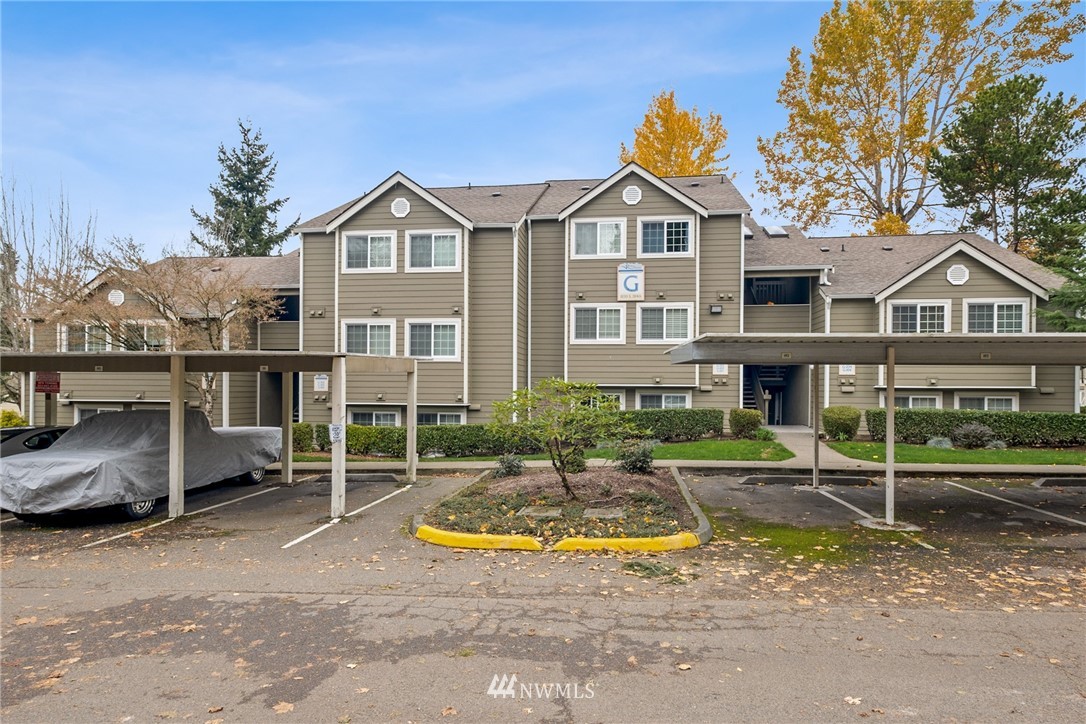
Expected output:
(876, 451)
(697, 450)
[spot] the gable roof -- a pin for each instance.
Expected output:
(507, 204)
(622, 173)
(864, 267)
(349, 210)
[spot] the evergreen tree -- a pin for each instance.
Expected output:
(1008, 162)
(243, 222)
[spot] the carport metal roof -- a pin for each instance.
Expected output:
(888, 349)
(177, 364)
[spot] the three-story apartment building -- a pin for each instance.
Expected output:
(493, 288)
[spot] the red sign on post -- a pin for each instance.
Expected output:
(47, 382)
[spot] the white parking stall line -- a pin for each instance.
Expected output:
(844, 503)
(329, 524)
(7, 520)
(1020, 505)
(163, 522)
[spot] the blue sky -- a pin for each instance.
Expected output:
(123, 105)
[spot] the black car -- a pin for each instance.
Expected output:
(16, 440)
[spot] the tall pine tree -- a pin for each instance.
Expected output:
(243, 222)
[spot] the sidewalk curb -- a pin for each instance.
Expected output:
(488, 541)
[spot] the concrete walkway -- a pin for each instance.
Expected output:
(800, 440)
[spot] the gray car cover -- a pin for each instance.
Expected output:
(123, 457)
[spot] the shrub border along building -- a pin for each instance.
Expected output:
(476, 440)
(1018, 429)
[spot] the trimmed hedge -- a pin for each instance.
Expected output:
(841, 422)
(744, 423)
(479, 440)
(673, 425)
(301, 436)
(321, 437)
(1018, 429)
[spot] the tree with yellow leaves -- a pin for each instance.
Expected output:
(676, 142)
(866, 110)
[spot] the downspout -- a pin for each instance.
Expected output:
(528, 381)
(516, 302)
(464, 330)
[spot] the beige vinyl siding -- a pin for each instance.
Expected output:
(318, 332)
(491, 320)
(243, 398)
(597, 281)
(403, 295)
(548, 309)
(1064, 386)
(720, 250)
(523, 274)
(964, 376)
(778, 318)
(277, 336)
(854, 316)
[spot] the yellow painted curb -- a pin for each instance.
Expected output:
(658, 543)
(476, 540)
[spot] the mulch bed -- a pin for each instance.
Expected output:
(653, 504)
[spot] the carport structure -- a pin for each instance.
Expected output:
(178, 364)
(881, 349)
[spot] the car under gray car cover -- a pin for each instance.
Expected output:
(122, 457)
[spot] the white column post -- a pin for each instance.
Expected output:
(286, 419)
(412, 421)
(177, 435)
(339, 449)
(817, 403)
(890, 435)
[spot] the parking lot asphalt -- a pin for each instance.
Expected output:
(791, 614)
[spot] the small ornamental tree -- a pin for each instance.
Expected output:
(564, 418)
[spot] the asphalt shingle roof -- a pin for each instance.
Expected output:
(863, 267)
(276, 272)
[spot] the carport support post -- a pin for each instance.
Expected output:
(412, 421)
(815, 419)
(177, 435)
(890, 435)
(286, 418)
(339, 449)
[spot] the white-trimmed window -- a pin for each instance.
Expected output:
(369, 337)
(664, 237)
(437, 250)
(437, 339)
(599, 238)
(663, 401)
(991, 403)
(375, 419)
(919, 317)
(619, 397)
(84, 338)
(144, 336)
(440, 418)
(664, 323)
(995, 317)
(369, 251)
(82, 413)
(913, 402)
(598, 324)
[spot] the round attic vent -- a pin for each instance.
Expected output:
(631, 195)
(116, 297)
(401, 207)
(957, 275)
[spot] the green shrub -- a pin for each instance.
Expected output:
(509, 466)
(575, 462)
(301, 435)
(674, 425)
(971, 435)
(360, 439)
(321, 437)
(457, 441)
(389, 441)
(841, 422)
(11, 418)
(1017, 429)
(764, 434)
(744, 422)
(635, 456)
